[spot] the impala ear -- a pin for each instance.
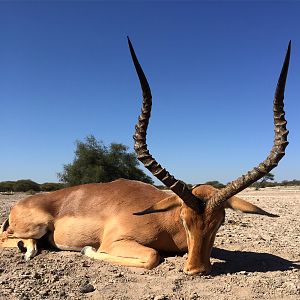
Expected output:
(161, 206)
(246, 207)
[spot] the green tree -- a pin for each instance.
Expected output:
(215, 184)
(51, 186)
(263, 182)
(95, 162)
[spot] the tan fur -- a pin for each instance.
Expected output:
(8, 242)
(102, 216)
(246, 207)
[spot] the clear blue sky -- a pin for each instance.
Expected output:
(66, 72)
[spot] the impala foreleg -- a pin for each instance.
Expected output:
(6, 242)
(31, 248)
(127, 253)
(11, 242)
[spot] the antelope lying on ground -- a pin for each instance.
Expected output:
(130, 222)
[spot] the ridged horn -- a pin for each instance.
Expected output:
(277, 151)
(141, 148)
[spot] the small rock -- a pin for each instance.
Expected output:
(46, 293)
(194, 296)
(23, 296)
(37, 275)
(62, 294)
(86, 264)
(86, 288)
(161, 297)
(121, 274)
(243, 273)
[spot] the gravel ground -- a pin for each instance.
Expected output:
(254, 257)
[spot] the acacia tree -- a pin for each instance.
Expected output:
(95, 162)
(263, 181)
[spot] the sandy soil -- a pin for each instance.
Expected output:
(254, 257)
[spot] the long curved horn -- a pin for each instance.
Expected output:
(278, 149)
(141, 148)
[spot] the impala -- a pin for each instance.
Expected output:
(128, 222)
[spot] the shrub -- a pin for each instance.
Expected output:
(51, 186)
(7, 186)
(25, 185)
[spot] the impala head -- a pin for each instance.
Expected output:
(202, 210)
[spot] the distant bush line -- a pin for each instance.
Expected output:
(27, 185)
(293, 182)
(220, 185)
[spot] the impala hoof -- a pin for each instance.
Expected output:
(30, 253)
(197, 271)
(27, 257)
(87, 249)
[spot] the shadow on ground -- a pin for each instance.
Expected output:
(238, 261)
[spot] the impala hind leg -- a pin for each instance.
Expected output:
(127, 253)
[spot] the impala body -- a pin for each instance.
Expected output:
(102, 216)
(129, 222)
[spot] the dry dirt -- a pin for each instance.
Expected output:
(254, 257)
